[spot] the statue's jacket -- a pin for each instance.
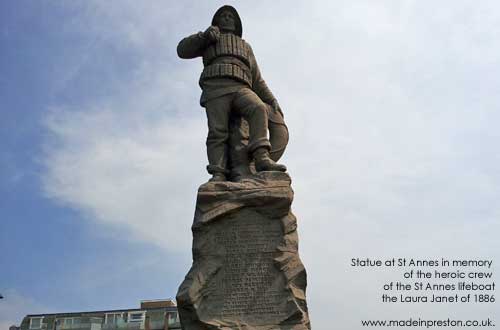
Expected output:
(229, 65)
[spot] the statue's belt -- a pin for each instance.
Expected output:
(229, 70)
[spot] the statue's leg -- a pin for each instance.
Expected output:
(238, 160)
(218, 111)
(254, 110)
(239, 163)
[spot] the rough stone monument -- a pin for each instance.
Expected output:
(246, 271)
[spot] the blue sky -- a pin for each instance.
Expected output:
(393, 113)
(44, 242)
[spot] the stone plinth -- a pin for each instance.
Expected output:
(246, 271)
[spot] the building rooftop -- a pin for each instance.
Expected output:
(168, 304)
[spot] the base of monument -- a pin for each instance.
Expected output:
(246, 271)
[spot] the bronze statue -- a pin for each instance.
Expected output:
(240, 107)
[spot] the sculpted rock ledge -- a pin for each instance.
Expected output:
(246, 271)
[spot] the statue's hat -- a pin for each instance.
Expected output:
(239, 29)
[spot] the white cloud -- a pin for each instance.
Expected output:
(122, 171)
(392, 108)
(15, 306)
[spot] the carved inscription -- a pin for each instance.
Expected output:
(248, 287)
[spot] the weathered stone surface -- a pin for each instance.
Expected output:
(246, 271)
(241, 109)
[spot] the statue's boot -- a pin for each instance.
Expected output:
(264, 163)
(241, 172)
(218, 177)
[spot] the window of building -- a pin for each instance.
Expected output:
(113, 318)
(172, 318)
(136, 316)
(36, 322)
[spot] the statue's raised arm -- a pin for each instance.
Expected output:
(194, 45)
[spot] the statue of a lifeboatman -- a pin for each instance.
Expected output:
(240, 108)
